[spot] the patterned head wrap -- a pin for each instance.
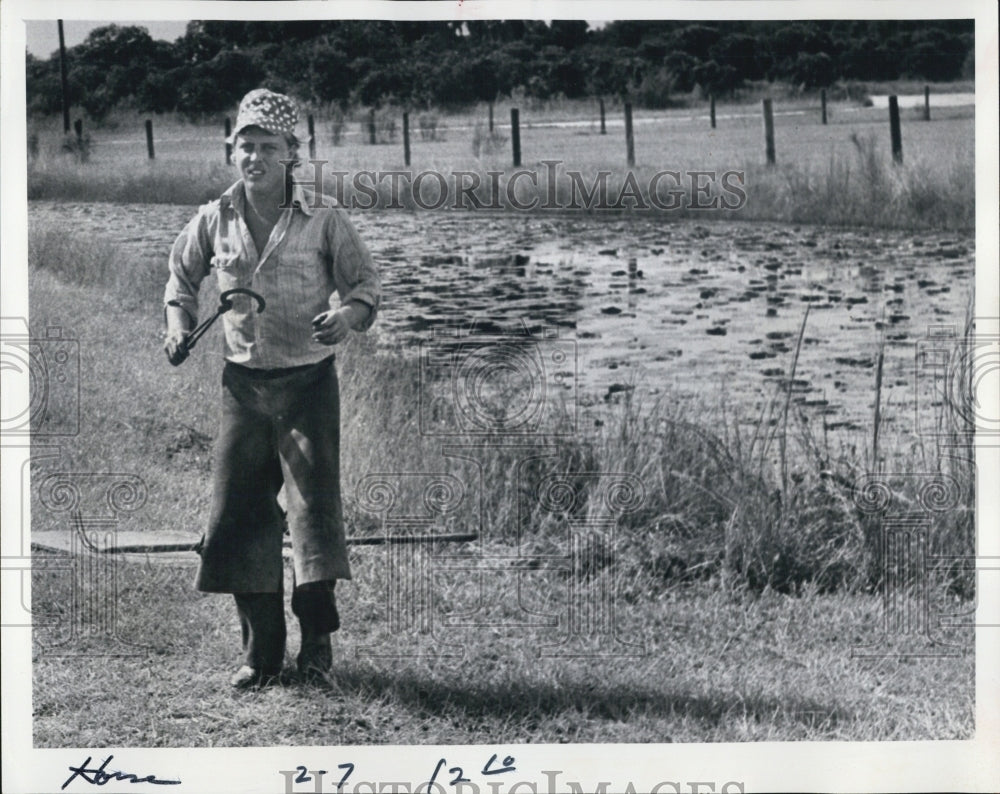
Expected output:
(272, 112)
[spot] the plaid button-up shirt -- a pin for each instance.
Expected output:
(313, 261)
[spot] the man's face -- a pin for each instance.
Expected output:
(258, 156)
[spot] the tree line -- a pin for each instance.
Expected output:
(452, 64)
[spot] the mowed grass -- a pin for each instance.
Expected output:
(739, 593)
(838, 173)
(711, 667)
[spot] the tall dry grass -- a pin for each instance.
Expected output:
(760, 502)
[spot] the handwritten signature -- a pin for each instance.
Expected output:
(99, 777)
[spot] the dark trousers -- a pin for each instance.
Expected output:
(262, 621)
(279, 428)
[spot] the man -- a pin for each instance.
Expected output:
(280, 413)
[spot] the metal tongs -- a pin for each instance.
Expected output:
(225, 304)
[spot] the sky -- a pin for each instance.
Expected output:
(42, 37)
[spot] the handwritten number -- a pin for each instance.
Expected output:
(434, 776)
(508, 765)
(350, 768)
(459, 778)
(303, 777)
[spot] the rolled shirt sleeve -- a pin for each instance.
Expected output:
(190, 259)
(354, 273)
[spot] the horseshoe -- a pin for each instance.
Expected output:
(225, 304)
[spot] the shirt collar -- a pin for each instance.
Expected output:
(235, 196)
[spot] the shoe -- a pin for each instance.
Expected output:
(315, 659)
(250, 678)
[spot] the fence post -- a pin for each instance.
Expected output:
(515, 136)
(768, 131)
(604, 129)
(894, 131)
(312, 136)
(406, 138)
(149, 139)
(78, 128)
(491, 117)
(629, 142)
(62, 79)
(229, 146)
(927, 103)
(711, 109)
(822, 101)
(371, 126)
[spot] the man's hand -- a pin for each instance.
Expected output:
(175, 345)
(179, 324)
(332, 327)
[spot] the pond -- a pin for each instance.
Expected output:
(710, 311)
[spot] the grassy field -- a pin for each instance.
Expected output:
(715, 667)
(742, 581)
(838, 173)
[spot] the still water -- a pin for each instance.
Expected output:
(710, 311)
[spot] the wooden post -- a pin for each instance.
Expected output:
(371, 126)
(312, 136)
(229, 146)
(629, 142)
(515, 136)
(149, 139)
(491, 117)
(894, 131)
(78, 128)
(711, 109)
(62, 77)
(768, 131)
(604, 129)
(406, 138)
(822, 101)
(927, 103)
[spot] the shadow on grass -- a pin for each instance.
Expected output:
(518, 700)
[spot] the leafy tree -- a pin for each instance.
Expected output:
(328, 75)
(934, 55)
(43, 89)
(813, 70)
(655, 88)
(200, 42)
(568, 33)
(112, 64)
(715, 78)
(219, 83)
(740, 53)
(456, 63)
(681, 67)
(695, 40)
(612, 72)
